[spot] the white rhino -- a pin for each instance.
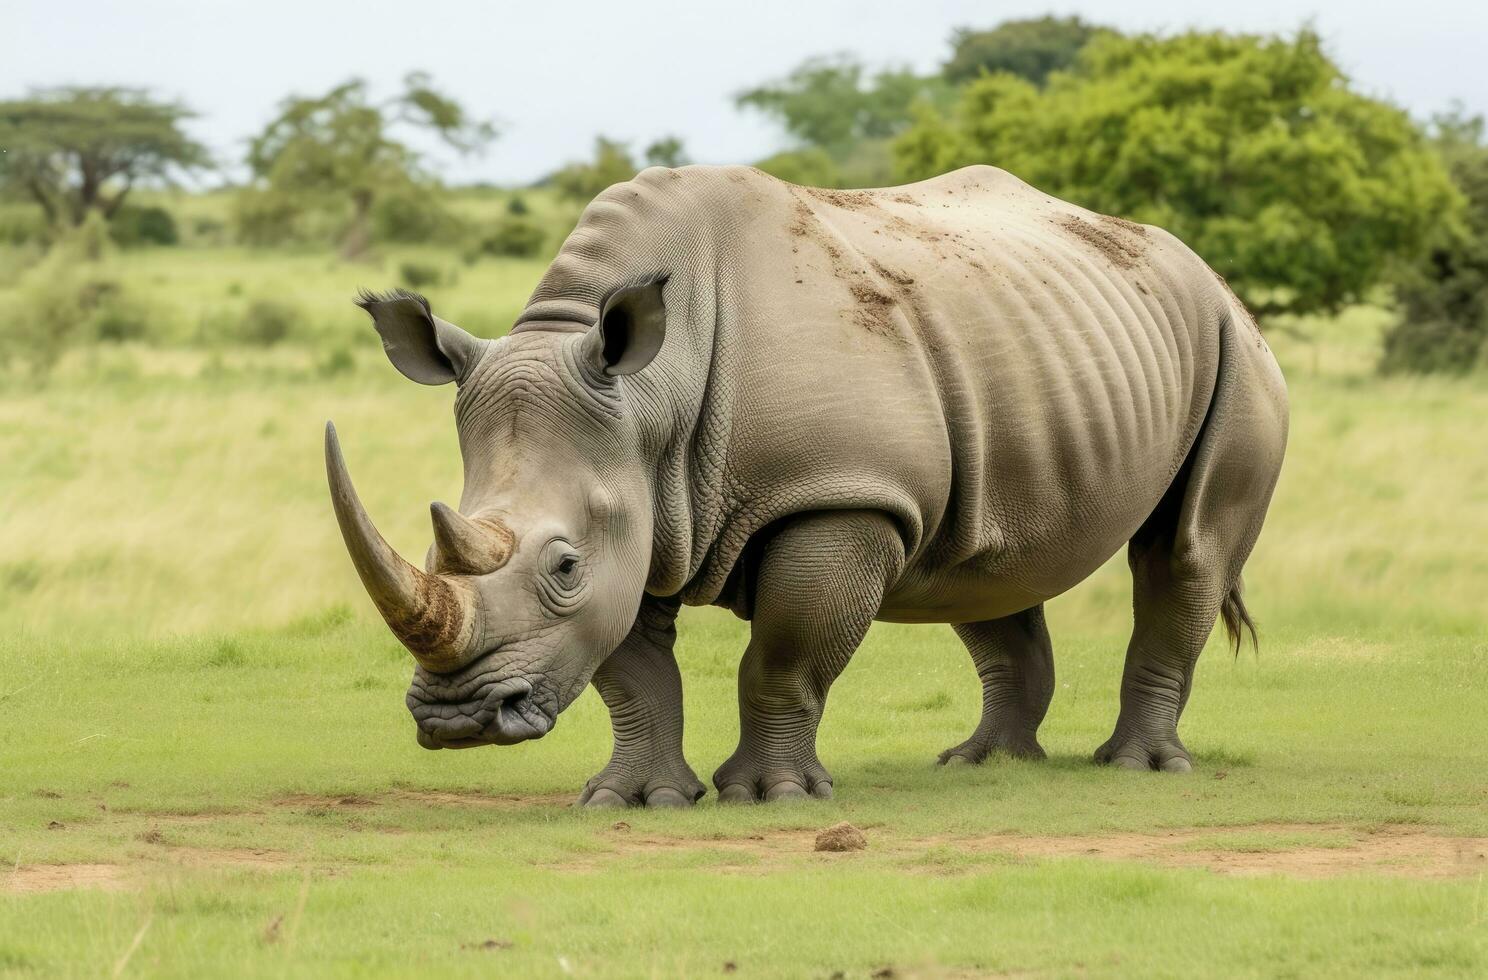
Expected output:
(940, 403)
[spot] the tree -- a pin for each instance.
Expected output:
(340, 150)
(833, 103)
(1253, 150)
(666, 152)
(1030, 49)
(582, 180)
(77, 150)
(1443, 299)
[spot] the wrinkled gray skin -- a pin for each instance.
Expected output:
(941, 403)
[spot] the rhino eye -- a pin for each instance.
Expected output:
(567, 564)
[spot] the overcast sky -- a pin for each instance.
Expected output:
(556, 73)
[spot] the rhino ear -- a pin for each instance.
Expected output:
(630, 329)
(423, 347)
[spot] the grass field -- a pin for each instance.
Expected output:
(206, 767)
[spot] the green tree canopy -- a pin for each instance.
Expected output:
(667, 151)
(833, 103)
(1443, 298)
(340, 148)
(1030, 49)
(582, 180)
(1253, 150)
(76, 150)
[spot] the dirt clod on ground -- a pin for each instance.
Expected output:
(841, 837)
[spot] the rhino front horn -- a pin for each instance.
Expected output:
(436, 618)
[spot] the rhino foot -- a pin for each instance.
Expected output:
(612, 788)
(981, 746)
(1134, 750)
(740, 780)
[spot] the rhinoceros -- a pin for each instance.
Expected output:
(945, 402)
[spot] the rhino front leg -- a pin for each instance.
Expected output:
(1015, 661)
(642, 687)
(821, 581)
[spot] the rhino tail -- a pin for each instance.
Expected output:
(1237, 621)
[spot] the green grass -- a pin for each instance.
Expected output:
(192, 683)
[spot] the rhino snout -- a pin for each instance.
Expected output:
(481, 708)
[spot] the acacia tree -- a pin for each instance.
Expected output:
(340, 149)
(75, 150)
(1253, 150)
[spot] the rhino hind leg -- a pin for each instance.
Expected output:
(1015, 662)
(1187, 557)
(820, 582)
(642, 687)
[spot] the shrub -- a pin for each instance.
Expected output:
(416, 275)
(133, 226)
(121, 318)
(517, 205)
(263, 218)
(22, 225)
(61, 305)
(414, 216)
(209, 231)
(266, 322)
(1443, 325)
(513, 237)
(809, 168)
(336, 362)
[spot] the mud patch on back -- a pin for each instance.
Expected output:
(850, 200)
(1122, 242)
(874, 309)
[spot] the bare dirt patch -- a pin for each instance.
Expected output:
(37, 878)
(1294, 850)
(252, 858)
(432, 797)
(1402, 850)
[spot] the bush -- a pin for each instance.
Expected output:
(809, 168)
(133, 226)
(208, 231)
(1443, 325)
(121, 318)
(415, 216)
(517, 205)
(266, 322)
(263, 218)
(88, 242)
(61, 305)
(417, 276)
(22, 225)
(336, 362)
(512, 237)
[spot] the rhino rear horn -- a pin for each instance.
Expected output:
(469, 546)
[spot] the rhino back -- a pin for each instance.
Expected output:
(1014, 379)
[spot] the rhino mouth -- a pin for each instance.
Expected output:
(476, 706)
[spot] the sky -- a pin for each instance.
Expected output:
(555, 74)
